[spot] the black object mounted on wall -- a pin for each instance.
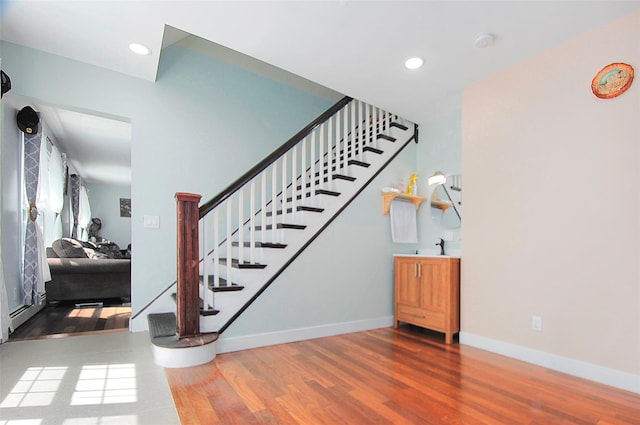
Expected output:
(28, 120)
(6, 83)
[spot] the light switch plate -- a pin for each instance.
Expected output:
(151, 221)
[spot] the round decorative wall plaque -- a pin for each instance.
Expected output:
(612, 80)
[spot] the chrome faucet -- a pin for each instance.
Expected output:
(441, 245)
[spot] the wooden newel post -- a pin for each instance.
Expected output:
(188, 299)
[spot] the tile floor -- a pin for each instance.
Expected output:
(99, 379)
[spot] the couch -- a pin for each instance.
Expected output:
(88, 272)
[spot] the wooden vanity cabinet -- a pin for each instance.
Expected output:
(427, 293)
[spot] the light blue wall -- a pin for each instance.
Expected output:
(105, 204)
(189, 130)
(199, 127)
(440, 149)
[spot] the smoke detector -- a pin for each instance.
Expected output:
(484, 39)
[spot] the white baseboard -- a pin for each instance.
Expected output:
(615, 378)
(227, 345)
(23, 313)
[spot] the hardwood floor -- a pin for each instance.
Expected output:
(65, 319)
(388, 376)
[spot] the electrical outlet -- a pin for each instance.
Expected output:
(536, 323)
(15, 293)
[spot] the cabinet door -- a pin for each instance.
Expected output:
(434, 285)
(407, 282)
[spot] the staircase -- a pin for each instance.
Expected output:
(233, 247)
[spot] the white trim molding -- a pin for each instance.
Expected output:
(227, 345)
(615, 378)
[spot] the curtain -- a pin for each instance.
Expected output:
(75, 203)
(35, 268)
(84, 214)
(56, 195)
(80, 209)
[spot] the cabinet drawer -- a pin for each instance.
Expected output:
(421, 317)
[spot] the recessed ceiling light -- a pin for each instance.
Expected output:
(140, 49)
(414, 63)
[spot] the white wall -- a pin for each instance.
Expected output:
(105, 204)
(552, 208)
(11, 208)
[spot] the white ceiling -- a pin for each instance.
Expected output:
(353, 47)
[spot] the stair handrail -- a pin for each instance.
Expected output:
(262, 165)
(210, 205)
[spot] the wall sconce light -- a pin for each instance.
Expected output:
(437, 178)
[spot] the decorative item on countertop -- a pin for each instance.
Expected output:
(412, 189)
(612, 80)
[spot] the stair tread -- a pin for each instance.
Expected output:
(161, 324)
(173, 341)
(400, 126)
(360, 163)
(298, 208)
(203, 312)
(282, 226)
(261, 245)
(386, 137)
(372, 149)
(244, 265)
(327, 192)
(223, 285)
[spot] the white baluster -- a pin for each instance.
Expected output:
(240, 225)
(216, 250)
(345, 135)
(204, 241)
(354, 128)
(294, 177)
(312, 177)
(263, 205)
(367, 125)
(361, 128)
(283, 184)
(252, 221)
(330, 144)
(274, 201)
(321, 171)
(303, 169)
(377, 127)
(228, 242)
(338, 140)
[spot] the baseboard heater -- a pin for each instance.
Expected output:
(26, 312)
(88, 305)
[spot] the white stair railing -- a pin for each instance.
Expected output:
(274, 191)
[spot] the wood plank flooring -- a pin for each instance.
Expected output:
(64, 319)
(388, 376)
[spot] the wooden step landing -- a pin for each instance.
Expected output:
(162, 331)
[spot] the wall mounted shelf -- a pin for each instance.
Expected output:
(441, 205)
(387, 197)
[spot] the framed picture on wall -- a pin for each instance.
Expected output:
(125, 207)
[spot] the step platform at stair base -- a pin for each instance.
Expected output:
(184, 357)
(172, 352)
